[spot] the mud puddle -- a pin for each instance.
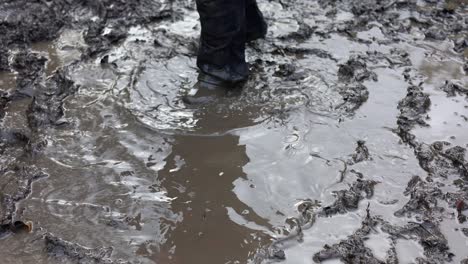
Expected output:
(347, 144)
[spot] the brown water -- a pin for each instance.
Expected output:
(164, 183)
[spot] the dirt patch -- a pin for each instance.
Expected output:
(294, 73)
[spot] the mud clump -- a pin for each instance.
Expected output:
(360, 154)
(413, 109)
(11, 139)
(461, 206)
(60, 249)
(440, 161)
(351, 76)
(435, 33)
(423, 199)
(47, 106)
(99, 42)
(352, 249)
(4, 99)
(307, 213)
(452, 89)
(47, 95)
(4, 54)
(465, 231)
(461, 46)
(16, 227)
(16, 184)
(354, 95)
(29, 68)
(347, 200)
(428, 234)
(27, 21)
(372, 6)
(305, 31)
(355, 69)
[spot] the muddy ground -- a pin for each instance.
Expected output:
(347, 144)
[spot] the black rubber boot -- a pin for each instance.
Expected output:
(226, 26)
(203, 93)
(255, 23)
(223, 76)
(223, 37)
(208, 89)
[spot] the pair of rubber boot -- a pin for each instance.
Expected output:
(226, 27)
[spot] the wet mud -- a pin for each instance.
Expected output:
(347, 143)
(65, 250)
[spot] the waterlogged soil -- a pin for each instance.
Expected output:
(346, 145)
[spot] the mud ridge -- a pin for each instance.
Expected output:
(20, 177)
(347, 200)
(413, 109)
(61, 249)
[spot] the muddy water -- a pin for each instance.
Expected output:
(133, 168)
(7, 81)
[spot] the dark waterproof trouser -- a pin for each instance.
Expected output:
(226, 25)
